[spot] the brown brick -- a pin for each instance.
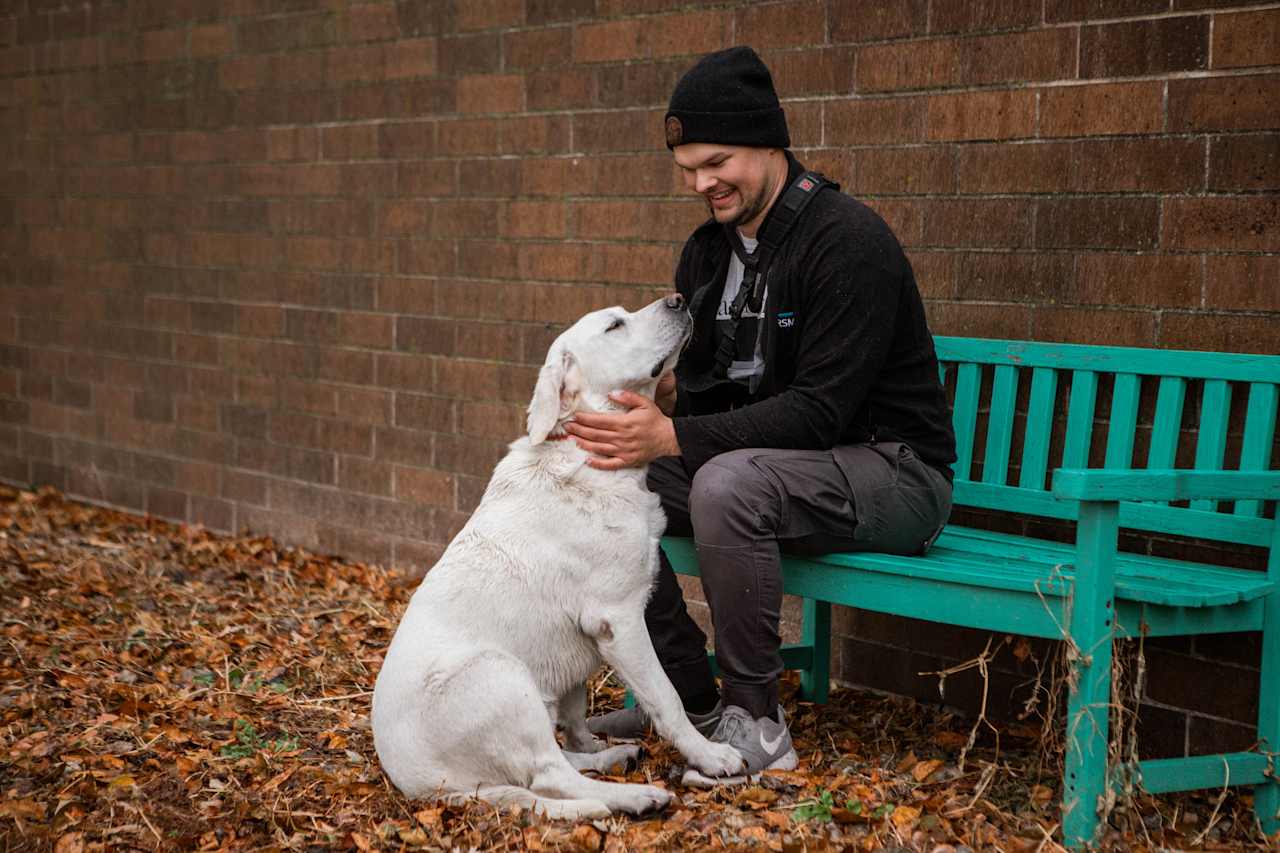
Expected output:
(412, 372)
(1101, 223)
(419, 411)
(1243, 282)
(424, 335)
(365, 405)
(947, 16)
(1170, 281)
(1249, 162)
(1094, 326)
(427, 257)
(1245, 224)
(521, 219)
(871, 121)
(1139, 165)
(370, 22)
(365, 330)
(470, 54)
(350, 142)
(364, 475)
(814, 71)
(537, 48)
(468, 136)
(977, 222)
(285, 33)
(487, 14)
(408, 58)
(430, 178)
(557, 89)
(1039, 55)
(649, 220)
(1246, 39)
(211, 40)
(489, 340)
(491, 93)
(538, 134)
(424, 486)
(299, 430)
(1100, 109)
(404, 218)
(796, 23)
(1133, 48)
(1220, 332)
(556, 11)
(1057, 11)
(487, 259)
(464, 218)
(656, 36)
(347, 63)
(858, 21)
(981, 115)
(1014, 168)
(1224, 103)
(904, 216)
(1011, 276)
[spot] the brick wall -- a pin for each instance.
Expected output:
(291, 264)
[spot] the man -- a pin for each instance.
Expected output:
(813, 423)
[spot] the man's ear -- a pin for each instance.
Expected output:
(555, 395)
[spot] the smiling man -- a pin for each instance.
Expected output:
(806, 414)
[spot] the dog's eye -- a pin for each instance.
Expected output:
(616, 324)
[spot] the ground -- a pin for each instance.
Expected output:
(163, 688)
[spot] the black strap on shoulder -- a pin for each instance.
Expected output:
(755, 265)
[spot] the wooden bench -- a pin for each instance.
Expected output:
(1087, 593)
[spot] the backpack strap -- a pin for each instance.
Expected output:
(755, 265)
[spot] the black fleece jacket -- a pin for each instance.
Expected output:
(848, 354)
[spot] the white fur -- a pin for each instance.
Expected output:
(548, 579)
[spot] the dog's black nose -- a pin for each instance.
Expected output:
(675, 302)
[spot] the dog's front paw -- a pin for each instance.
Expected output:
(641, 799)
(716, 759)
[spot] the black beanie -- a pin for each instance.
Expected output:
(727, 98)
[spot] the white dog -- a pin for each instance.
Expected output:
(548, 579)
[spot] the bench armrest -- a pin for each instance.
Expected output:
(1096, 484)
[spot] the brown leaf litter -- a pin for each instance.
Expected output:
(163, 688)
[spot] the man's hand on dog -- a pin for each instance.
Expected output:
(626, 440)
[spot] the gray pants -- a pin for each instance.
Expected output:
(745, 507)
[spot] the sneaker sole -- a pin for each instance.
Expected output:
(694, 779)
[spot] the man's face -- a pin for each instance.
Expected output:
(737, 182)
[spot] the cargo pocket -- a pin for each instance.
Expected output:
(908, 507)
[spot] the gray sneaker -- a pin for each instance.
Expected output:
(764, 743)
(632, 723)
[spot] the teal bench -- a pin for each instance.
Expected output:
(1049, 398)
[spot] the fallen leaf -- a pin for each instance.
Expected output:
(586, 837)
(904, 816)
(925, 769)
(906, 763)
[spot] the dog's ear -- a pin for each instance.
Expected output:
(555, 394)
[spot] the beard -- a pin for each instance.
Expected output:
(751, 208)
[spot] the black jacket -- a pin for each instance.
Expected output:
(848, 354)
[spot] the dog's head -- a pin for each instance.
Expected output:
(607, 350)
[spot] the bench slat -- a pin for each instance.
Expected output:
(965, 413)
(1166, 426)
(1211, 438)
(1158, 519)
(1080, 409)
(1189, 364)
(1004, 392)
(1259, 430)
(1039, 428)
(1123, 421)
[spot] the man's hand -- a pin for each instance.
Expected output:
(626, 440)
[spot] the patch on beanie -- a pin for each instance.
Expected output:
(675, 131)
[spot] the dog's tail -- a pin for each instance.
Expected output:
(510, 795)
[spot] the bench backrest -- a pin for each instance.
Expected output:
(1023, 409)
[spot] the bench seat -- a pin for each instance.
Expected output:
(1152, 593)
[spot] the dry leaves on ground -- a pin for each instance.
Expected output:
(162, 688)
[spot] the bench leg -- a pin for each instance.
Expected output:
(1266, 798)
(816, 633)
(1088, 707)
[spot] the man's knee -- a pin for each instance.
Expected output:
(731, 497)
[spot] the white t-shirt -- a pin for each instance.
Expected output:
(748, 364)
